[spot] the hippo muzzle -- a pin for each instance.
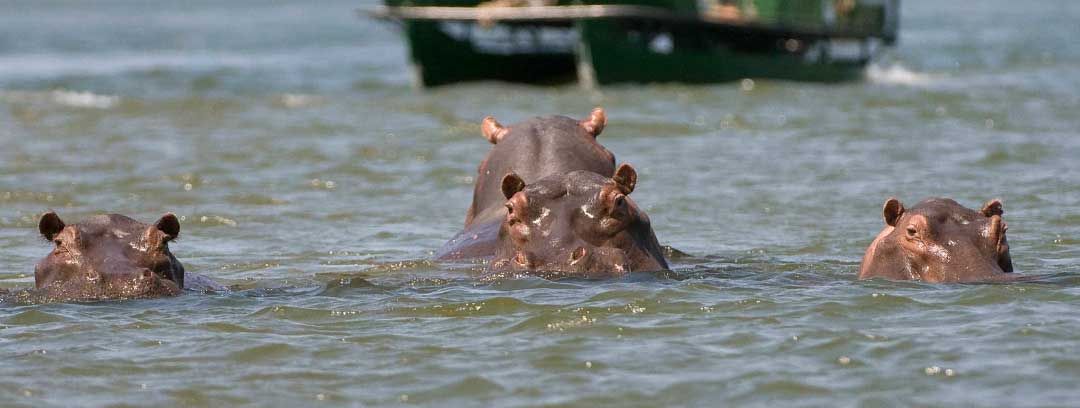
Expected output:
(117, 283)
(584, 261)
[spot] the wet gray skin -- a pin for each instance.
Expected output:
(107, 257)
(533, 149)
(580, 224)
(939, 240)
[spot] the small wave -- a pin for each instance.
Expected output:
(898, 75)
(59, 65)
(64, 97)
(84, 99)
(48, 64)
(213, 220)
(297, 101)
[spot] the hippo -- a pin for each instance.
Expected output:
(533, 149)
(107, 257)
(577, 224)
(939, 240)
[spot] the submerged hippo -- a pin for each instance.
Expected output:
(533, 149)
(939, 240)
(109, 256)
(577, 224)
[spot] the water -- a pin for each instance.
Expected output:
(309, 174)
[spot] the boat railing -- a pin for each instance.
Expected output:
(808, 22)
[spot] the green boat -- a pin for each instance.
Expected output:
(614, 41)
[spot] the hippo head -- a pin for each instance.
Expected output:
(578, 224)
(534, 149)
(939, 240)
(109, 256)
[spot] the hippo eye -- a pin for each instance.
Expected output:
(911, 231)
(620, 201)
(509, 209)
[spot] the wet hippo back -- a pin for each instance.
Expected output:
(533, 149)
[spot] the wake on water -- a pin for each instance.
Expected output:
(896, 74)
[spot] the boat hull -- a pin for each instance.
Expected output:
(617, 41)
(439, 59)
(618, 53)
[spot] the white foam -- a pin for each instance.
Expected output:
(84, 99)
(897, 74)
(296, 101)
(63, 97)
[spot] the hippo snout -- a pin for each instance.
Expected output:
(140, 282)
(599, 261)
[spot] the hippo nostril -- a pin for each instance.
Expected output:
(146, 274)
(577, 255)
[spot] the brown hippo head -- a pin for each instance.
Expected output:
(534, 149)
(939, 240)
(578, 224)
(109, 256)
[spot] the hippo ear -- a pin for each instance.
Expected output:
(511, 184)
(492, 130)
(992, 208)
(626, 177)
(596, 122)
(892, 211)
(50, 225)
(169, 225)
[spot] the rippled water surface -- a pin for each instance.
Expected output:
(310, 175)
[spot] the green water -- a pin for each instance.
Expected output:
(308, 173)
